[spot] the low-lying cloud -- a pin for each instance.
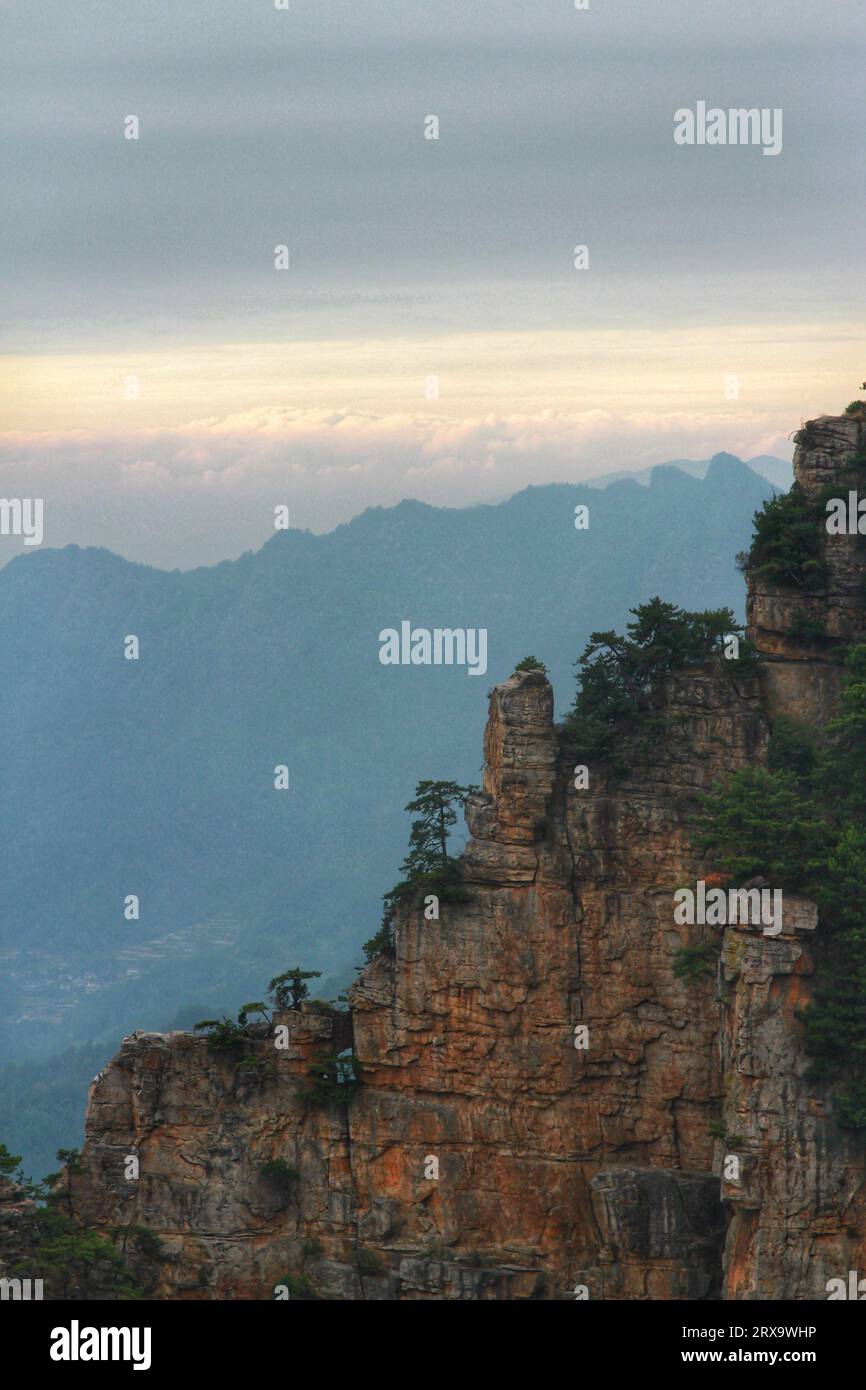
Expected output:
(207, 491)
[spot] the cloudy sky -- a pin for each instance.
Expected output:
(165, 386)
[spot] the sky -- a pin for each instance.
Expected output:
(165, 386)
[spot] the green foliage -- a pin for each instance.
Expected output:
(691, 963)
(71, 1159)
(850, 1106)
(846, 762)
(224, 1035)
(256, 1007)
(842, 894)
(443, 883)
(253, 1067)
(801, 824)
(718, 1131)
(531, 663)
(433, 808)
(232, 1039)
(428, 867)
(299, 1288)
(856, 408)
(381, 943)
(836, 1022)
(9, 1163)
(786, 544)
(804, 629)
(618, 674)
(759, 822)
(147, 1243)
(74, 1261)
(793, 748)
(322, 1006)
(289, 990)
(280, 1174)
(334, 1078)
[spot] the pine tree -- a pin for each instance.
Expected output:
(428, 863)
(433, 806)
(289, 990)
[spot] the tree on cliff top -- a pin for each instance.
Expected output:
(617, 673)
(760, 823)
(428, 863)
(433, 806)
(786, 544)
(9, 1163)
(289, 990)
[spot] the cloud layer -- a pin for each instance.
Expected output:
(208, 491)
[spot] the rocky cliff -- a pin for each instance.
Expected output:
(545, 1111)
(801, 673)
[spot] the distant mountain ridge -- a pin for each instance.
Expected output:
(777, 471)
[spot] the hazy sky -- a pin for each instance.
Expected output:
(165, 385)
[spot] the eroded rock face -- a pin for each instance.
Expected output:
(801, 677)
(202, 1129)
(541, 1097)
(662, 1233)
(797, 1185)
(798, 1201)
(467, 1165)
